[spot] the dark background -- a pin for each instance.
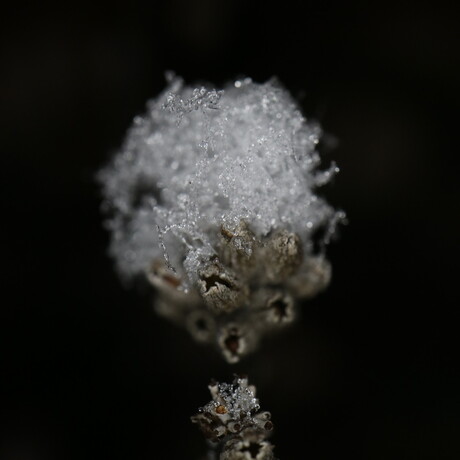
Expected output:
(371, 371)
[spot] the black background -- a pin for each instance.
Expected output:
(370, 371)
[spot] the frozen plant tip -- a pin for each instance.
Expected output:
(233, 422)
(212, 198)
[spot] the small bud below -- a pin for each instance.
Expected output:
(237, 427)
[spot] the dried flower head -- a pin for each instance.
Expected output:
(233, 420)
(212, 197)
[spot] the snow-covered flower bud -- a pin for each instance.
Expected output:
(212, 198)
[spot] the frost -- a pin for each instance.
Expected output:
(213, 197)
(237, 398)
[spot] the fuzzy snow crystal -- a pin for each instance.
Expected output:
(212, 197)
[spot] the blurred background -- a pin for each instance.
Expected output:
(370, 371)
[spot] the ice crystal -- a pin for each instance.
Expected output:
(213, 197)
(239, 400)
